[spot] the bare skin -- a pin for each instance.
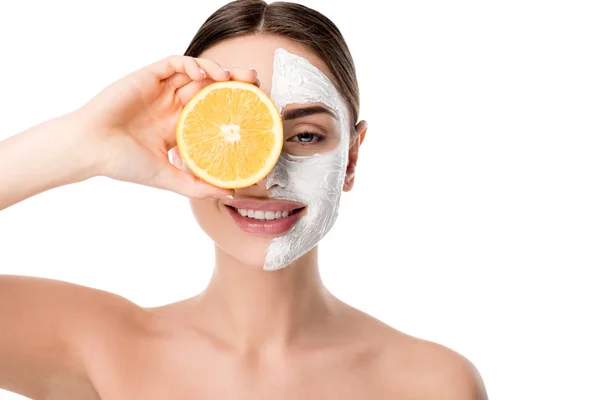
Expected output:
(251, 335)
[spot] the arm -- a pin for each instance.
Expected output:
(47, 328)
(43, 157)
(124, 133)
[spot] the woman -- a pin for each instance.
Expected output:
(252, 334)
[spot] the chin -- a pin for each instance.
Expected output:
(251, 253)
(240, 246)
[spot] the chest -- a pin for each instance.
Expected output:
(213, 378)
(235, 391)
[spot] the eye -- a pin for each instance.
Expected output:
(307, 138)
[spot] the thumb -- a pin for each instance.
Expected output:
(187, 184)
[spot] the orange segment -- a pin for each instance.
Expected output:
(230, 134)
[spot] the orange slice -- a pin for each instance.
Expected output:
(230, 134)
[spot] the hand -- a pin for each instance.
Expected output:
(131, 124)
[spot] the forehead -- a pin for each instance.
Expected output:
(257, 51)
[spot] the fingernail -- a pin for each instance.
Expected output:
(220, 196)
(225, 69)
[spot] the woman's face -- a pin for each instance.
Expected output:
(279, 219)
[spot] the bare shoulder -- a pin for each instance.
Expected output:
(438, 372)
(417, 368)
(72, 323)
(70, 305)
(69, 317)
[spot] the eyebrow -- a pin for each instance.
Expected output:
(307, 111)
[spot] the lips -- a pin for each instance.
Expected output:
(265, 217)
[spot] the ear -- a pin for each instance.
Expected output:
(358, 137)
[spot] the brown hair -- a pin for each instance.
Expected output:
(293, 21)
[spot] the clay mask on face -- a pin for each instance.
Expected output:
(316, 181)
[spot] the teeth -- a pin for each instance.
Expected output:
(262, 215)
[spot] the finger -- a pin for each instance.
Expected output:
(244, 75)
(188, 91)
(178, 80)
(171, 65)
(213, 70)
(186, 184)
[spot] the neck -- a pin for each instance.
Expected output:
(250, 306)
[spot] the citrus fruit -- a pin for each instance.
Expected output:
(230, 134)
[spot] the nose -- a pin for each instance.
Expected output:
(259, 189)
(278, 177)
(262, 184)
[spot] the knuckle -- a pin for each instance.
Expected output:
(173, 59)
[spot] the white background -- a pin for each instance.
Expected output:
(475, 219)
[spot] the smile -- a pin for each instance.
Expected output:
(265, 218)
(262, 215)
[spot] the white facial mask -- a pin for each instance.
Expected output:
(316, 181)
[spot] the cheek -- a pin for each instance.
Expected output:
(206, 213)
(319, 176)
(216, 222)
